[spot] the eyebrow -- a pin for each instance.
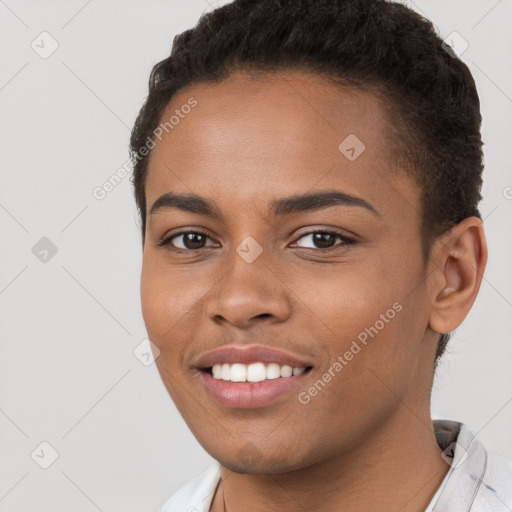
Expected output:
(278, 207)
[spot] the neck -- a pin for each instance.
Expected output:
(398, 468)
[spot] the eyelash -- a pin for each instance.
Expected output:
(167, 241)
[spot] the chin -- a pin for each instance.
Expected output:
(249, 461)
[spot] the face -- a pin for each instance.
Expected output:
(338, 282)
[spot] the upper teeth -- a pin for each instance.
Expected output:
(254, 372)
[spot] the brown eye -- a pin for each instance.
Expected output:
(325, 239)
(188, 240)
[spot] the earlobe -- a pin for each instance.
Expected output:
(460, 258)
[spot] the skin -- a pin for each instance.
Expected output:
(365, 441)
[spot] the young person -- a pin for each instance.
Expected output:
(308, 176)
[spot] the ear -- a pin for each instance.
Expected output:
(459, 257)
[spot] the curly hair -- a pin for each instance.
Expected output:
(380, 46)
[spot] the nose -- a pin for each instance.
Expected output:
(248, 292)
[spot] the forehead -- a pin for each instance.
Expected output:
(261, 135)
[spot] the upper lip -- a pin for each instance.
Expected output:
(249, 354)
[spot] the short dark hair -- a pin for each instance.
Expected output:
(380, 46)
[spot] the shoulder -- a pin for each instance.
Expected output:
(479, 480)
(495, 491)
(197, 494)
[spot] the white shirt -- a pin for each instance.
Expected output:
(477, 481)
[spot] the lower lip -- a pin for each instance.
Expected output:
(248, 395)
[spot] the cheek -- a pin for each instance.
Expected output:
(165, 312)
(172, 303)
(154, 297)
(347, 299)
(368, 317)
(163, 303)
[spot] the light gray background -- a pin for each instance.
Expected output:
(68, 375)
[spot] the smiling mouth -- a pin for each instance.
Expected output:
(253, 385)
(254, 372)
